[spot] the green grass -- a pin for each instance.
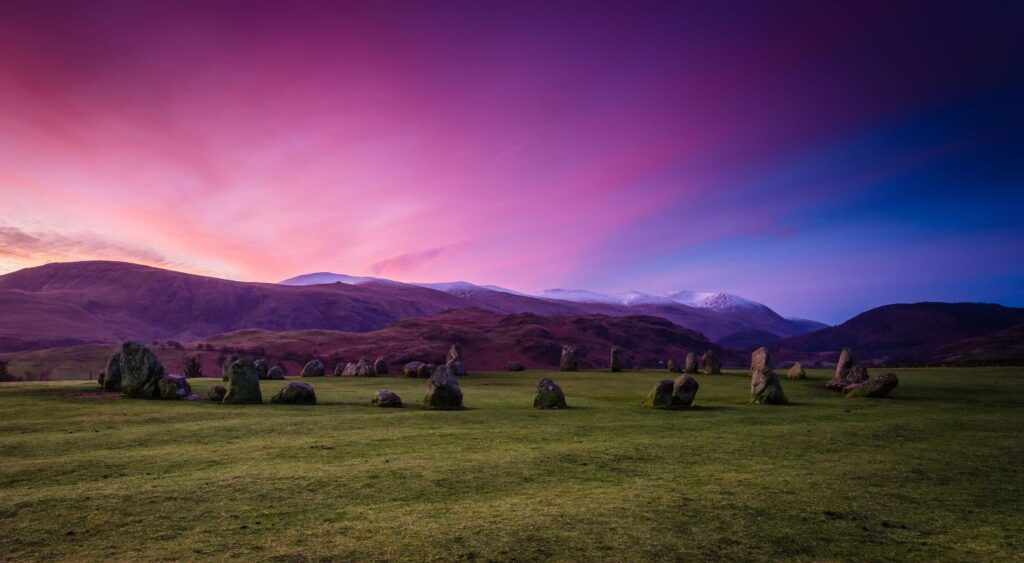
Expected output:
(934, 473)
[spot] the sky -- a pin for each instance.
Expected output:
(820, 157)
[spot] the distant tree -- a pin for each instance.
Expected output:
(192, 367)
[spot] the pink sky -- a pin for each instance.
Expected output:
(531, 145)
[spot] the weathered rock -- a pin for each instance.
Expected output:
(876, 387)
(568, 360)
(350, 370)
(295, 393)
(276, 372)
(549, 395)
(711, 364)
(386, 398)
(225, 367)
(262, 368)
(173, 386)
(364, 368)
(847, 373)
(691, 363)
(674, 366)
(243, 384)
(412, 369)
(380, 366)
(313, 368)
(765, 387)
(217, 393)
(426, 370)
(454, 359)
(684, 390)
(661, 396)
(141, 371)
(515, 366)
(339, 368)
(443, 391)
(615, 362)
(112, 378)
(796, 371)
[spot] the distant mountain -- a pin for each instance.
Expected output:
(909, 332)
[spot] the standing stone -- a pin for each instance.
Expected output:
(426, 370)
(112, 379)
(764, 384)
(174, 387)
(515, 366)
(847, 373)
(225, 368)
(443, 391)
(140, 371)
(243, 384)
(276, 372)
(412, 369)
(386, 399)
(262, 368)
(796, 371)
(217, 393)
(339, 368)
(380, 366)
(313, 368)
(674, 367)
(350, 369)
(711, 364)
(846, 363)
(549, 395)
(661, 396)
(615, 362)
(568, 361)
(684, 389)
(875, 388)
(454, 359)
(295, 393)
(691, 363)
(364, 369)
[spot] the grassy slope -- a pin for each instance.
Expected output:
(934, 473)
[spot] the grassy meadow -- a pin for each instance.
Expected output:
(936, 472)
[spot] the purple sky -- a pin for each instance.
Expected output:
(818, 157)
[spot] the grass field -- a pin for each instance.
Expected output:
(934, 473)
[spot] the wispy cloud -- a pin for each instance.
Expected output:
(406, 262)
(19, 246)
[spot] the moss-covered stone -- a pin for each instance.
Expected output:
(112, 375)
(141, 371)
(174, 387)
(549, 395)
(386, 399)
(684, 390)
(660, 396)
(443, 391)
(295, 393)
(875, 388)
(243, 384)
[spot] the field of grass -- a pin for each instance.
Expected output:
(936, 472)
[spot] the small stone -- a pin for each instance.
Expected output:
(796, 371)
(515, 366)
(875, 388)
(217, 393)
(174, 387)
(386, 398)
(313, 368)
(295, 393)
(276, 373)
(549, 395)
(660, 396)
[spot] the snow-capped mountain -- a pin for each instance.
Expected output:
(319, 278)
(716, 300)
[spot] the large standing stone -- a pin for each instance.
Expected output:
(684, 390)
(295, 393)
(243, 384)
(796, 371)
(313, 368)
(174, 387)
(876, 387)
(711, 364)
(276, 372)
(364, 368)
(443, 391)
(454, 359)
(262, 368)
(225, 367)
(691, 363)
(412, 369)
(549, 395)
(140, 371)
(674, 366)
(112, 379)
(615, 362)
(661, 396)
(380, 366)
(765, 387)
(847, 373)
(568, 361)
(515, 366)
(385, 398)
